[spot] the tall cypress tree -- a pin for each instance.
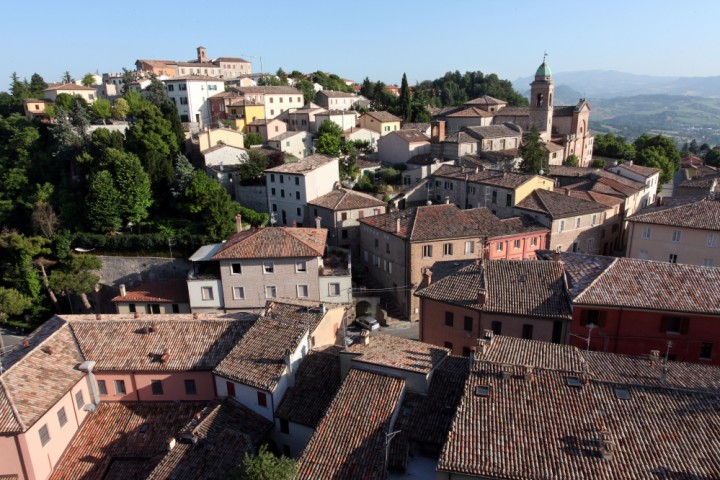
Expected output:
(534, 154)
(405, 100)
(103, 203)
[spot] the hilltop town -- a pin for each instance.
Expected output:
(211, 273)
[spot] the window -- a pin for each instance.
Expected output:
(449, 319)
(238, 293)
(102, 387)
(575, 247)
(183, 100)
(284, 426)
(272, 179)
(593, 221)
(44, 435)
(448, 249)
(182, 87)
(62, 417)
(508, 199)
(469, 247)
(190, 387)
(468, 324)
(672, 324)
(236, 268)
(156, 387)
(676, 234)
(595, 317)
(261, 399)
(175, 308)
(494, 196)
(577, 222)
(120, 387)
(561, 227)
(282, 192)
(708, 262)
(334, 289)
(230, 388)
(516, 244)
(270, 291)
(155, 308)
(298, 212)
(297, 195)
(706, 350)
(132, 308)
(711, 240)
(527, 331)
(268, 267)
(344, 234)
(377, 243)
(302, 291)
(171, 88)
(79, 399)
(282, 179)
(207, 293)
(466, 352)
(533, 241)
(297, 180)
(672, 258)
(427, 251)
(496, 327)
(646, 233)
(499, 246)
(448, 345)
(643, 255)
(590, 245)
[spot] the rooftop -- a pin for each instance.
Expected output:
(68, 86)
(557, 205)
(382, 116)
(409, 136)
(258, 359)
(349, 442)
(510, 287)
(167, 291)
(336, 94)
(267, 90)
(493, 131)
(346, 199)
(427, 222)
(470, 112)
(703, 214)
(303, 166)
(639, 169)
(274, 242)
(486, 100)
(397, 353)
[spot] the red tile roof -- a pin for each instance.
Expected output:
(397, 353)
(274, 242)
(258, 360)
(470, 112)
(639, 169)
(556, 205)
(349, 442)
(703, 214)
(346, 199)
(382, 116)
(167, 291)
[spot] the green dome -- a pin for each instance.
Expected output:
(543, 71)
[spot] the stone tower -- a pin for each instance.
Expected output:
(202, 58)
(541, 101)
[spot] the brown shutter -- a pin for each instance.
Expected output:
(684, 325)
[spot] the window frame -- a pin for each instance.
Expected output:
(62, 417)
(239, 268)
(190, 382)
(44, 434)
(262, 399)
(122, 390)
(207, 294)
(102, 387)
(427, 251)
(307, 291)
(156, 388)
(447, 249)
(267, 291)
(79, 399)
(449, 318)
(268, 268)
(239, 289)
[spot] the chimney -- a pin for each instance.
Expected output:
(318, 223)
(556, 256)
(654, 356)
(481, 344)
(49, 350)
(505, 372)
(165, 356)
(482, 296)
(437, 131)
(447, 200)
(489, 334)
(171, 443)
(123, 290)
(630, 163)
(659, 201)
(427, 276)
(88, 366)
(397, 225)
(365, 337)
(529, 373)
(294, 224)
(477, 169)
(136, 315)
(195, 316)
(238, 223)
(98, 316)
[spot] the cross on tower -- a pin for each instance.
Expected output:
(544, 55)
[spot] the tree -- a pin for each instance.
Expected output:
(67, 78)
(712, 157)
(210, 206)
(533, 152)
(405, 103)
(13, 303)
(266, 466)
(251, 172)
(120, 109)
(253, 138)
(655, 157)
(597, 163)
(64, 101)
(37, 86)
(331, 128)
(19, 88)
(153, 140)
(328, 144)
(155, 93)
(44, 219)
(17, 253)
(76, 277)
(103, 204)
(572, 161)
(693, 147)
(101, 109)
(183, 175)
(133, 186)
(88, 80)
(308, 89)
(127, 78)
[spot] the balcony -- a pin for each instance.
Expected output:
(336, 263)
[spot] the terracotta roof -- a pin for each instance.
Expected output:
(336, 94)
(316, 383)
(470, 112)
(167, 291)
(119, 342)
(513, 112)
(195, 63)
(428, 222)
(701, 214)
(504, 350)
(346, 199)
(282, 136)
(492, 131)
(420, 126)
(383, 116)
(704, 182)
(303, 166)
(231, 59)
(296, 311)
(564, 432)
(639, 169)
(581, 269)
(349, 442)
(511, 287)
(267, 90)
(563, 110)
(496, 178)
(258, 359)
(274, 242)
(68, 86)
(112, 434)
(194, 78)
(36, 377)
(397, 353)
(485, 100)
(225, 431)
(589, 195)
(556, 205)
(159, 63)
(566, 171)
(409, 136)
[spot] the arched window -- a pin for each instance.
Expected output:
(540, 99)
(550, 100)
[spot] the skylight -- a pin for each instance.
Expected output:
(622, 394)
(482, 391)
(574, 382)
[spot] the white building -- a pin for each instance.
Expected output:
(298, 144)
(190, 94)
(292, 185)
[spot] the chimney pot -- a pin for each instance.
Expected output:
(318, 223)
(238, 223)
(123, 290)
(195, 316)
(447, 200)
(428, 276)
(397, 225)
(482, 297)
(136, 315)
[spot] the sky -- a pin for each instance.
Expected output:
(376, 39)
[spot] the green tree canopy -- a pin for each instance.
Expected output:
(659, 152)
(533, 152)
(331, 128)
(88, 80)
(121, 108)
(103, 204)
(253, 138)
(13, 303)
(210, 206)
(266, 466)
(133, 186)
(713, 157)
(328, 144)
(76, 276)
(101, 109)
(405, 101)
(153, 140)
(251, 171)
(571, 161)
(37, 86)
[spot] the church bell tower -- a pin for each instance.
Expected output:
(541, 101)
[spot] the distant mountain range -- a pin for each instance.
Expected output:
(682, 108)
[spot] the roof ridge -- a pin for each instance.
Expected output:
(13, 408)
(65, 322)
(595, 280)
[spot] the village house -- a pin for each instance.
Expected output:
(222, 163)
(345, 119)
(473, 140)
(276, 100)
(333, 100)
(380, 122)
(292, 185)
(89, 94)
(457, 309)
(267, 128)
(362, 134)
(168, 296)
(222, 67)
(232, 108)
(35, 108)
(299, 144)
(400, 146)
(303, 118)
(677, 230)
(213, 137)
(190, 94)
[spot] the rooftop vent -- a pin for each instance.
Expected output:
(482, 391)
(522, 278)
(165, 356)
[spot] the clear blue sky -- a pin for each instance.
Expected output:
(375, 38)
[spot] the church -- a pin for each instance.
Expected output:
(563, 128)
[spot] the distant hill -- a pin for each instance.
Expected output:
(596, 84)
(679, 117)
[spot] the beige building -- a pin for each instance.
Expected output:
(267, 128)
(474, 140)
(303, 118)
(168, 296)
(683, 230)
(220, 136)
(89, 94)
(380, 122)
(276, 100)
(363, 134)
(296, 143)
(291, 186)
(576, 224)
(332, 100)
(402, 145)
(345, 119)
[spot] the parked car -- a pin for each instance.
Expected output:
(367, 322)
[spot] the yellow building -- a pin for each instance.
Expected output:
(380, 122)
(244, 113)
